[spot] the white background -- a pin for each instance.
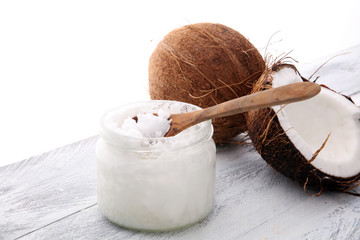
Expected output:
(64, 63)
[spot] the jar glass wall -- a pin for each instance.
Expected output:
(155, 184)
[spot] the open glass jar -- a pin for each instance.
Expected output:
(155, 184)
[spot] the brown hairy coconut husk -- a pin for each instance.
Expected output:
(315, 142)
(205, 64)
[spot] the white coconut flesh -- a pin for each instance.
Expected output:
(309, 123)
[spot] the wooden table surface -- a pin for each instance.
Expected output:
(53, 195)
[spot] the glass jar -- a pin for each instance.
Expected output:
(155, 184)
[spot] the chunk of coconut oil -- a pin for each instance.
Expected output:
(154, 183)
(147, 125)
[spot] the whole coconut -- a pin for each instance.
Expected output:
(205, 64)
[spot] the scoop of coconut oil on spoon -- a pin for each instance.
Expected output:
(290, 93)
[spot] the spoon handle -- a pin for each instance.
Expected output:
(275, 96)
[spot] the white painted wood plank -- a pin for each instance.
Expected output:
(45, 188)
(330, 216)
(252, 202)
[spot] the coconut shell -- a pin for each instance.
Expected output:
(278, 151)
(205, 64)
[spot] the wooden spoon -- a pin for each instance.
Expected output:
(275, 96)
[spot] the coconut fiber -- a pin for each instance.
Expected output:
(205, 64)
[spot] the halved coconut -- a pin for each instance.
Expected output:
(316, 142)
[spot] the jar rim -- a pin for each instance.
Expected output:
(112, 134)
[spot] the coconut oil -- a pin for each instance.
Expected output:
(155, 184)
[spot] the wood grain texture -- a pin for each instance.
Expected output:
(252, 202)
(53, 196)
(45, 188)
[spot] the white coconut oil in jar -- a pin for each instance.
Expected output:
(155, 184)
